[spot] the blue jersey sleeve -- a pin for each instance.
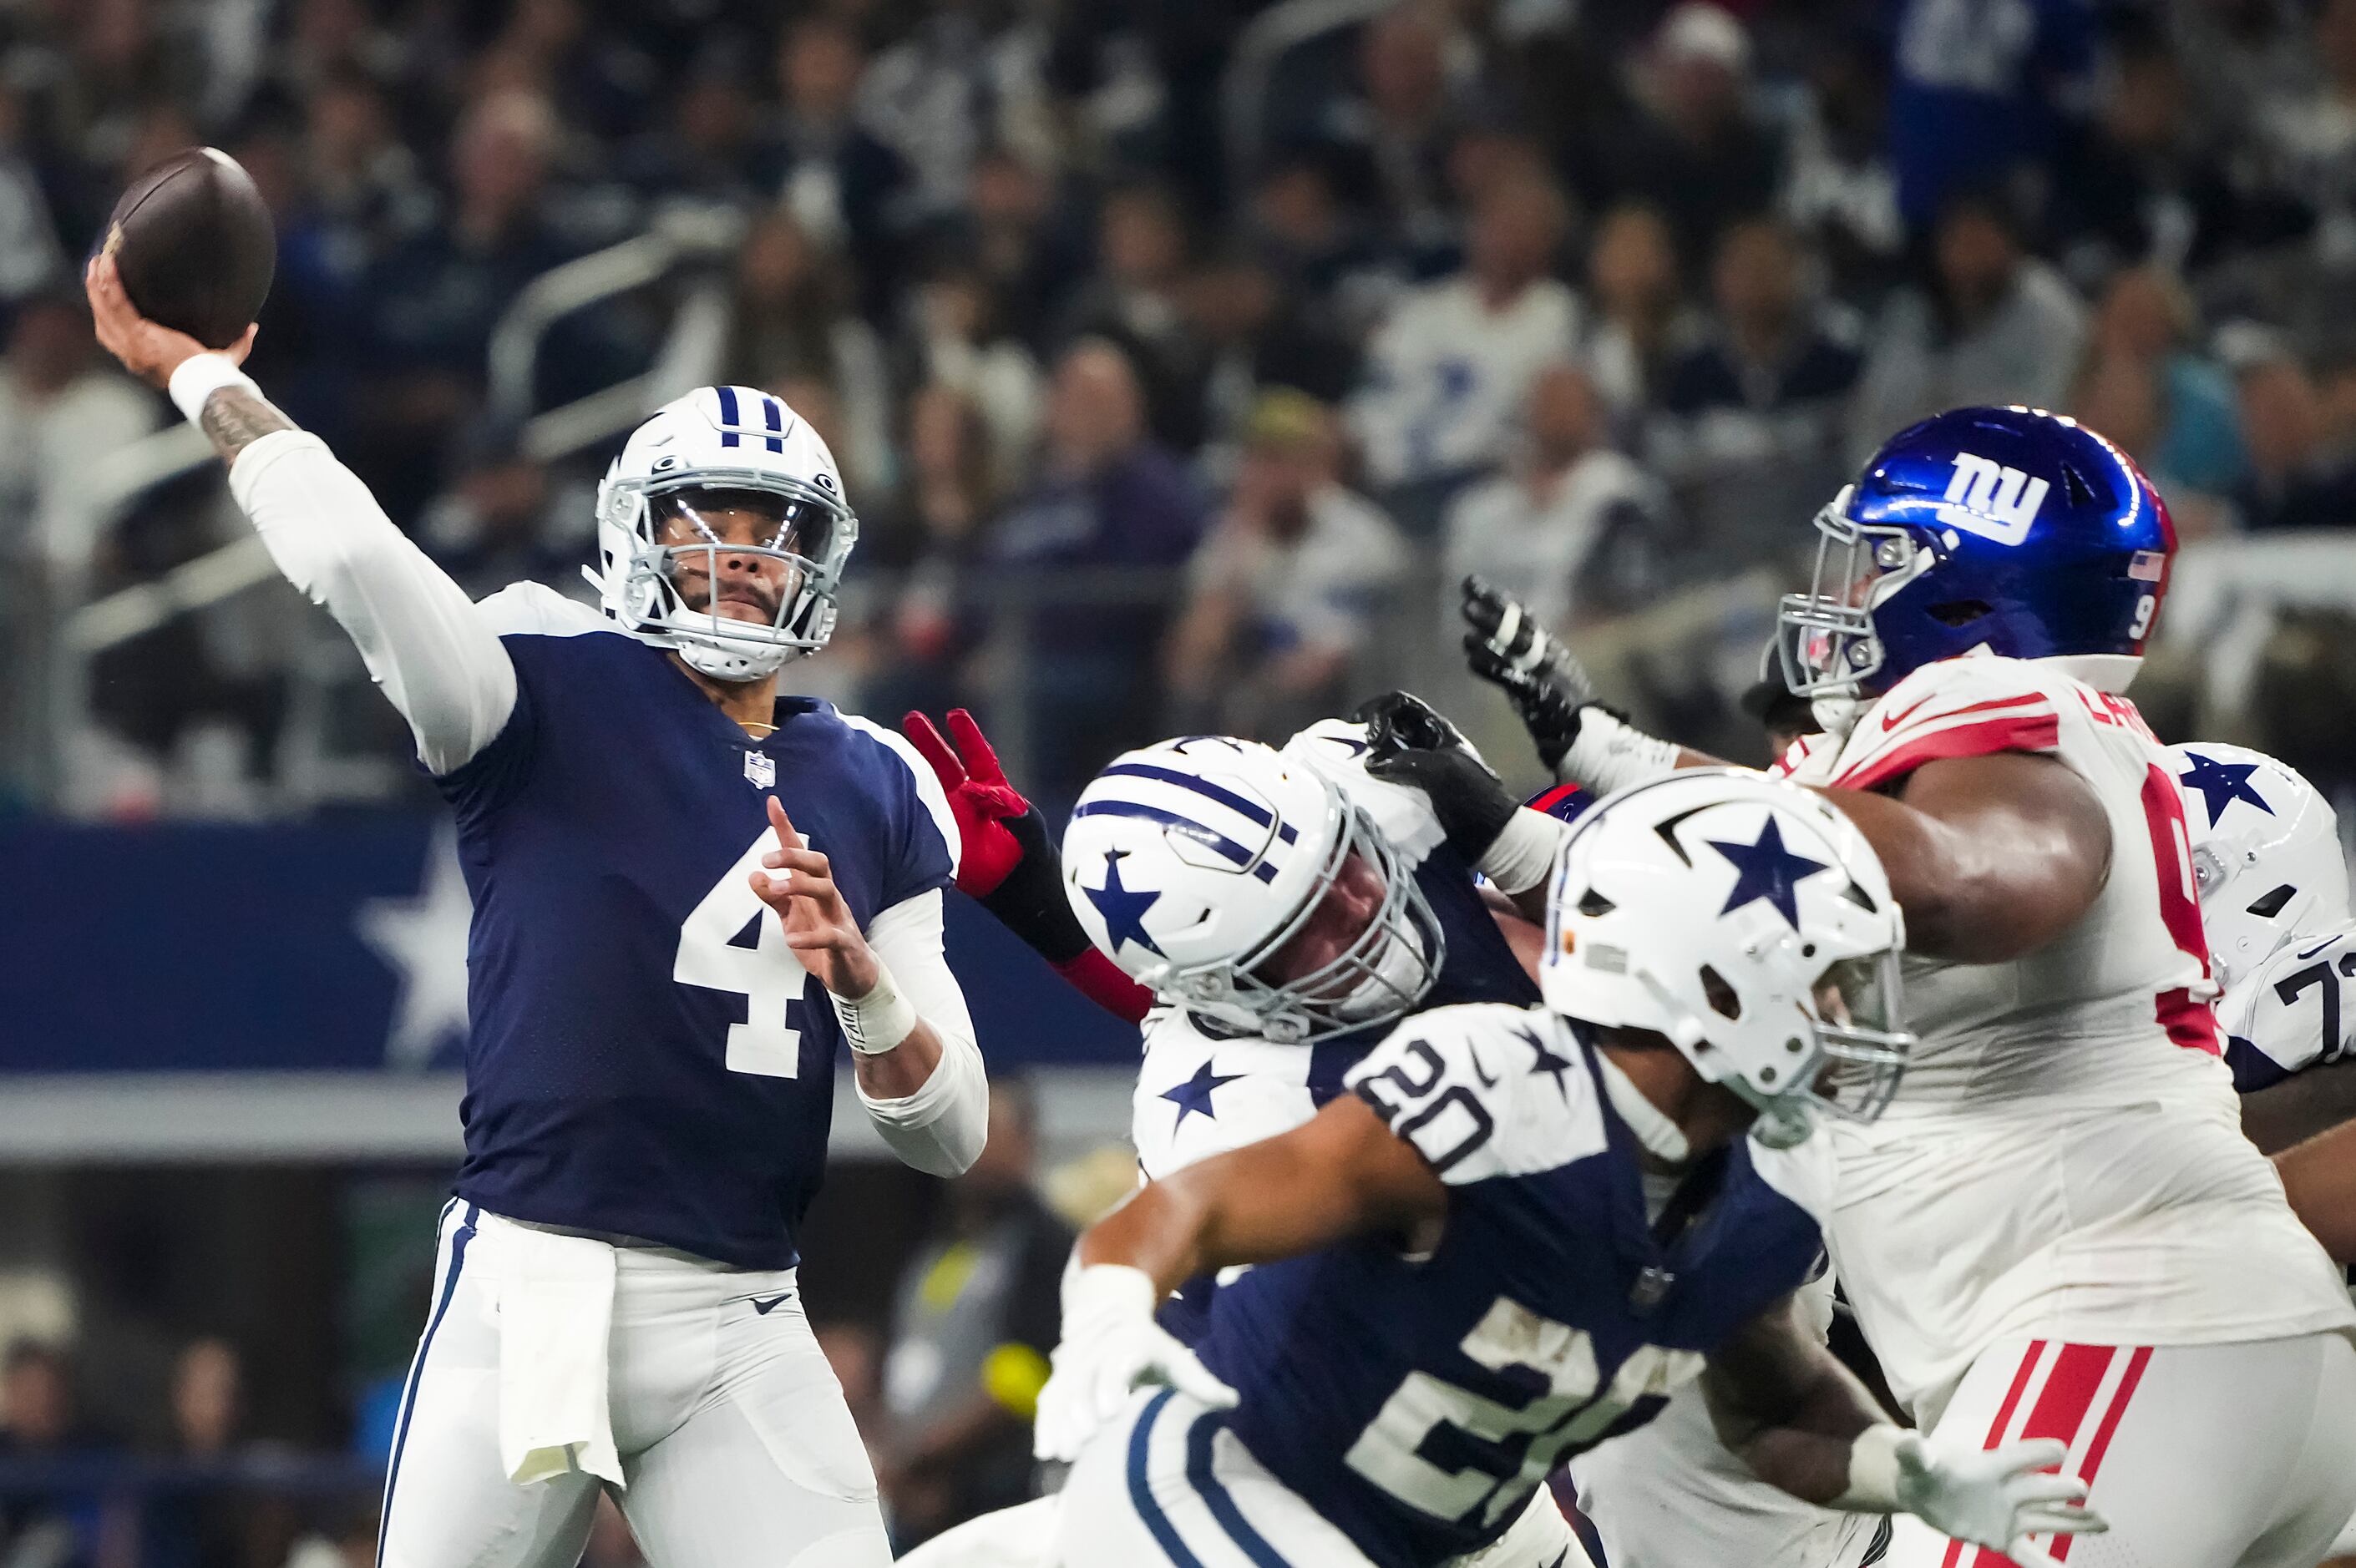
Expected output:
(921, 843)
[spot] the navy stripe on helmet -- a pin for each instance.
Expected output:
(777, 413)
(728, 416)
(1258, 814)
(1205, 837)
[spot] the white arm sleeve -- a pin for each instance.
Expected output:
(440, 662)
(939, 1128)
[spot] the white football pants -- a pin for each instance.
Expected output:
(735, 1443)
(2237, 1456)
(1168, 1486)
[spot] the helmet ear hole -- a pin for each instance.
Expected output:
(2271, 905)
(1959, 612)
(1720, 995)
(1593, 904)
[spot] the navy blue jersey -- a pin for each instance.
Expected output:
(646, 1058)
(1416, 1402)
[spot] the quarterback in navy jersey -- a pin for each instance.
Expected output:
(689, 893)
(1525, 1228)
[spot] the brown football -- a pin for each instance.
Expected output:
(193, 240)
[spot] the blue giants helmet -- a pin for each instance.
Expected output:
(2012, 530)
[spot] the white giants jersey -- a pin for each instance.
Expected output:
(2289, 1016)
(2064, 1159)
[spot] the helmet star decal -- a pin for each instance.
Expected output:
(1767, 871)
(2221, 785)
(1123, 908)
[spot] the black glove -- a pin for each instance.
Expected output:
(1402, 722)
(1030, 901)
(1548, 686)
(1469, 799)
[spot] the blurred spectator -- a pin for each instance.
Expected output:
(1108, 498)
(1995, 325)
(30, 255)
(1394, 126)
(1690, 144)
(957, 336)
(1839, 190)
(39, 1421)
(2299, 476)
(2242, 56)
(952, 83)
(1013, 232)
(1255, 337)
(950, 490)
(975, 1320)
(2145, 329)
(1133, 301)
(1639, 322)
(1755, 419)
(709, 149)
(1577, 529)
(64, 407)
(793, 320)
(506, 520)
(202, 1530)
(1284, 594)
(2312, 135)
(1447, 372)
(1299, 223)
(1983, 96)
(843, 185)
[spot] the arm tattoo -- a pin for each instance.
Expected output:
(234, 418)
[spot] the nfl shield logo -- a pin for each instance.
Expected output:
(761, 769)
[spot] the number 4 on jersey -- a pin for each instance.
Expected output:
(732, 942)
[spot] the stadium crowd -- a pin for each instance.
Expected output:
(1165, 345)
(1174, 353)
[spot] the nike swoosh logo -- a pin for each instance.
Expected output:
(1480, 1068)
(770, 1305)
(1891, 721)
(2316, 949)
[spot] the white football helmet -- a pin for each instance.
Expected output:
(741, 447)
(1194, 862)
(1749, 921)
(2266, 854)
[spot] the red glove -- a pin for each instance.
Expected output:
(979, 798)
(1010, 866)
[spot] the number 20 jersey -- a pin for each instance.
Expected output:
(645, 1057)
(2064, 1159)
(1417, 1401)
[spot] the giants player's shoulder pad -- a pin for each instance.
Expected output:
(1335, 750)
(1485, 1091)
(536, 609)
(2293, 1013)
(1970, 707)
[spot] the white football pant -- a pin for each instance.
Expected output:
(735, 1443)
(1168, 1486)
(2240, 1456)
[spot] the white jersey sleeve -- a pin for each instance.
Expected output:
(2291, 1015)
(439, 662)
(1484, 1091)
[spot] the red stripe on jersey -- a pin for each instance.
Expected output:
(2101, 1443)
(2191, 1024)
(2060, 1409)
(1996, 1428)
(1994, 704)
(2017, 732)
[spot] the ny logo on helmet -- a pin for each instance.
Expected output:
(1992, 501)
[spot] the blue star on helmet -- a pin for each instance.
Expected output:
(1123, 908)
(1767, 870)
(2221, 785)
(1195, 1094)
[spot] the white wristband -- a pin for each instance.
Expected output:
(1610, 755)
(199, 375)
(1873, 1471)
(878, 1021)
(1524, 852)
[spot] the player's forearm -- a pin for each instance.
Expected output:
(1789, 1409)
(2319, 1177)
(927, 1092)
(420, 638)
(2300, 1106)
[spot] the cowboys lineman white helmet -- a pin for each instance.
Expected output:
(1749, 921)
(2265, 853)
(1231, 881)
(737, 448)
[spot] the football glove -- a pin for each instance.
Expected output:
(1111, 1346)
(1547, 685)
(1995, 1498)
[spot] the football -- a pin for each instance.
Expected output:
(193, 240)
